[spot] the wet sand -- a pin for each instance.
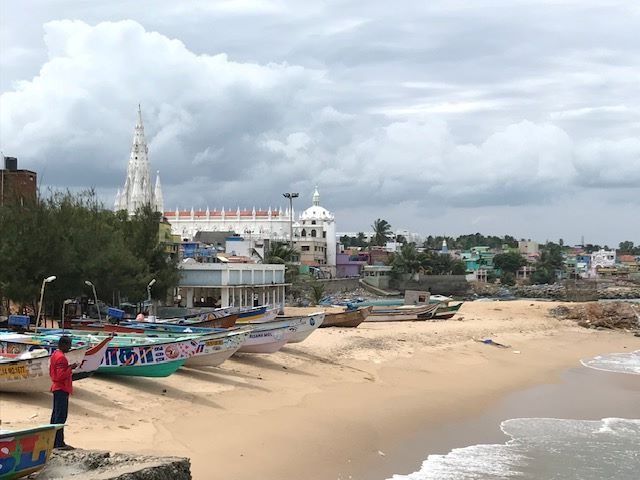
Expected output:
(325, 408)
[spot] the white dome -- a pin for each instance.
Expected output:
(316, 213)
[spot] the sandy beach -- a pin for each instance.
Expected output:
(343, 404)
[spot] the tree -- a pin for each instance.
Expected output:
(509, 262)
(316, 291)
(381, 232)
(406, 260)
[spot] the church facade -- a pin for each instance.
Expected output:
(138, 191)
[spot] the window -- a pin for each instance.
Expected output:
(313, 222)
(304, 232)
(305, 248)
(324, 234)
(313, 233)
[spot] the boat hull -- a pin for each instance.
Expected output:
(446, 312)
(402, 314)
(346, 319)
(154, 370)
(300, 332)
(26, 451)
(213, 352)
(266, 340)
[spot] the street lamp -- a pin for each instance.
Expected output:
(290, 196)
(151, 283)
(95, 297)
(44, 282)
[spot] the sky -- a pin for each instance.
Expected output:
(444, 117)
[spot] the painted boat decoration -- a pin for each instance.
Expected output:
(27, 370)
(402, 313)
(23, 452)
(265, 338)
(348, 318)
(138, 356)
(203, 320)
(86, 367)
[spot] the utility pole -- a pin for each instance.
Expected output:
(290, 196)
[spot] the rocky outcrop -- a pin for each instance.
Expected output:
(577, 293)
(94, 465)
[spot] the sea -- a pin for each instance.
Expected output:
(543, 448)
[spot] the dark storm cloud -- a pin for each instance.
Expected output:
(457, 106)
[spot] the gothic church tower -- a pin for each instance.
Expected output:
(137, 190)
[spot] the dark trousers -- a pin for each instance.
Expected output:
(59, 414)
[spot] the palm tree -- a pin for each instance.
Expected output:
(406, 260)
(381, 232)
(278, 252)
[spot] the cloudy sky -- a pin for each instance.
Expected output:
(443, 117)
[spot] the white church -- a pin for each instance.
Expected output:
(137, 191)
(314, 232)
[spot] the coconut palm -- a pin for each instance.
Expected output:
(381, 232)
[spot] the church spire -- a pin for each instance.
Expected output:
(157, 194)
(137, 190)
(316, 198)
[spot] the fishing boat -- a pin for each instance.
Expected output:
(347, 318)
(26, 370)
(402, 313)
(257, 314)
(26, 451)
(19, 343)
(301, 326)
(204, 320)
(214, 345)
(139, 356)
(265, 338)
(445, 312)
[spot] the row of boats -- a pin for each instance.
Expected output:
(158, 349)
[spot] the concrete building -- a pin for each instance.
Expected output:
(378, 275)
(137, 191)
(529, 249)
(348, 265)
(17, 186)
(602, 259)
(231, 284)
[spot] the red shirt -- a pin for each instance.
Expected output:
(60, 373)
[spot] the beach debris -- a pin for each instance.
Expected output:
(604, 315)
(488, 341)
(516, 351)
(381, 453)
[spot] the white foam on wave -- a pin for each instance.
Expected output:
(615, 362)
(555, 448)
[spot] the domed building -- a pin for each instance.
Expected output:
(315, 237)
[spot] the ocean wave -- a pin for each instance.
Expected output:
(544, 448)
(615, 362)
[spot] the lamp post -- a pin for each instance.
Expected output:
(44, 282)
(149, 292)
(64, 309)
(95, 297)
(290, 196)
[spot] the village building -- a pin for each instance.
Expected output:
(17, 186)
(137, 191)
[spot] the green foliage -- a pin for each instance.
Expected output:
(283, 254)
(509, 262)
(381, 232)
(434, 263)
(550, 260)
(316, 291)
(359, 241)
(466, 242)
(406, 260)
(628, 248)
(542, 275)
(73, 237)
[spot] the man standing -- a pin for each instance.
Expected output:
(60, 372)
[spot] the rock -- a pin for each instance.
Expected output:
(94, 464)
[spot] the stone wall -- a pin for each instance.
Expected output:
(339, 285)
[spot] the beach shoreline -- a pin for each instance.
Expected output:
(343, 404)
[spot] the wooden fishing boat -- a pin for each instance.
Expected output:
(348, 318)
(86, 367)
(23, 452)
(301, 326)
(445, 312)
(402, 313)
(139, 356)
(214, 345)
(204, 320)
(28, 370)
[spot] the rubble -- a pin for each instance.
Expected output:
(609, 315)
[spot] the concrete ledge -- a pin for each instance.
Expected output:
(100, 465)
